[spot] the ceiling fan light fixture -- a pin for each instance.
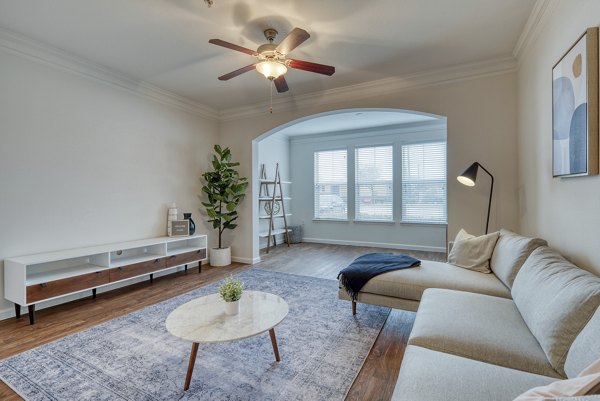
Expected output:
(271, 69)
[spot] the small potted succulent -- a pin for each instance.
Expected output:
(231, 291)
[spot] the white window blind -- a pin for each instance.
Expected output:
(424, 182)
(331, 184)
(374, 183)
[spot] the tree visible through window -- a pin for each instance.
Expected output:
(374, 183)
(424, 182)
(331, 184)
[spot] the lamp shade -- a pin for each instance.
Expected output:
(271, 69)
(469, 176)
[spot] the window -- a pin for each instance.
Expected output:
(374, 182)
(331, 184)
(424, 182)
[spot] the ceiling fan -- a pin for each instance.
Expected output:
(272, 59)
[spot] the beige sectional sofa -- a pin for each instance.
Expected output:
(493, 336)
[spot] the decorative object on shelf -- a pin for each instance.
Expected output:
(231, 291)
(276, 208)
(171, 216)
(188, 216)
(469, 177)
(575, 109)
(180, 228)
(225, 189)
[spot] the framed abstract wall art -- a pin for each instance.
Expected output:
(575, 109)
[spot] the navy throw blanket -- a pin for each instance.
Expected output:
(365, 267)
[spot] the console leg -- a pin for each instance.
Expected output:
(94, 293)
(200, 266)
(31, 313)
(17, 311)
(353, 307)
(151, 278)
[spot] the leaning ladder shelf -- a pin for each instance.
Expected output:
(270, 200)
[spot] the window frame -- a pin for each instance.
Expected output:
(356, 183)
(314, 186)
(422, 222)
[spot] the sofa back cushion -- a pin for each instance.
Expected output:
(585, 348)
(511, 251)
(556, 299)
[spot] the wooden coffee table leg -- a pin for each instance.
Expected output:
(274, 343)
(190, 370)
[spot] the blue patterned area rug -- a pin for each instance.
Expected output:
(133, 357)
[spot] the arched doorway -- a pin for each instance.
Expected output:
(353, 129)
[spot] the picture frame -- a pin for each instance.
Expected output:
(575, 109)
(180, 228)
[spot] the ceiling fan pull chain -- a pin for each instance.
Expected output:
(271, 83)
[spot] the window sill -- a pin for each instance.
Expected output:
(374, 221)
(423, 223)
(331, 220)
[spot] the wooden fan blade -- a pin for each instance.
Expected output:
(312, 67)
(231, 46)
(281, 84)
(235, 73)
(293, 40)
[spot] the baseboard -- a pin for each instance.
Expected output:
(248, 261)
(376, 244)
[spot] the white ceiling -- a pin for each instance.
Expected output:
(165, 42)
(354, 120)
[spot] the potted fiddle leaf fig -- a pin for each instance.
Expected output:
(224, 189)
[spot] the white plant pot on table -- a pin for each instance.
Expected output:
(232, 308)
(220, 256)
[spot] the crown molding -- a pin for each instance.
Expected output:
(376, 88)
(39, 52)
(57, 58)
(542, 9)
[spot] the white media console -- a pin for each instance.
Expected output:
(37, 278)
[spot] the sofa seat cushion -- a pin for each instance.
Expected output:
(511, 251)
(586, 347)
(481, 327)
(556, 300)
(428, 375)
(410, 283)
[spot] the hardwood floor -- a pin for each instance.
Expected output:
(374, 382)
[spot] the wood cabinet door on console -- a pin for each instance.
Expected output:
(137, 269)
(51, 289)
(188, 257)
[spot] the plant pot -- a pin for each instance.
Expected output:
(232, 308)
(220, 256)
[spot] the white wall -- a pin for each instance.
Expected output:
(272, 150)
(84, 163)
(482, 125)
(429, 237)
(566, 212)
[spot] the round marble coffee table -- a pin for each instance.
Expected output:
(203, 320)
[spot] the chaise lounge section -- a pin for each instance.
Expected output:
(403, 289)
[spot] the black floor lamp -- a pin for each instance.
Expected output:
(469, 177)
